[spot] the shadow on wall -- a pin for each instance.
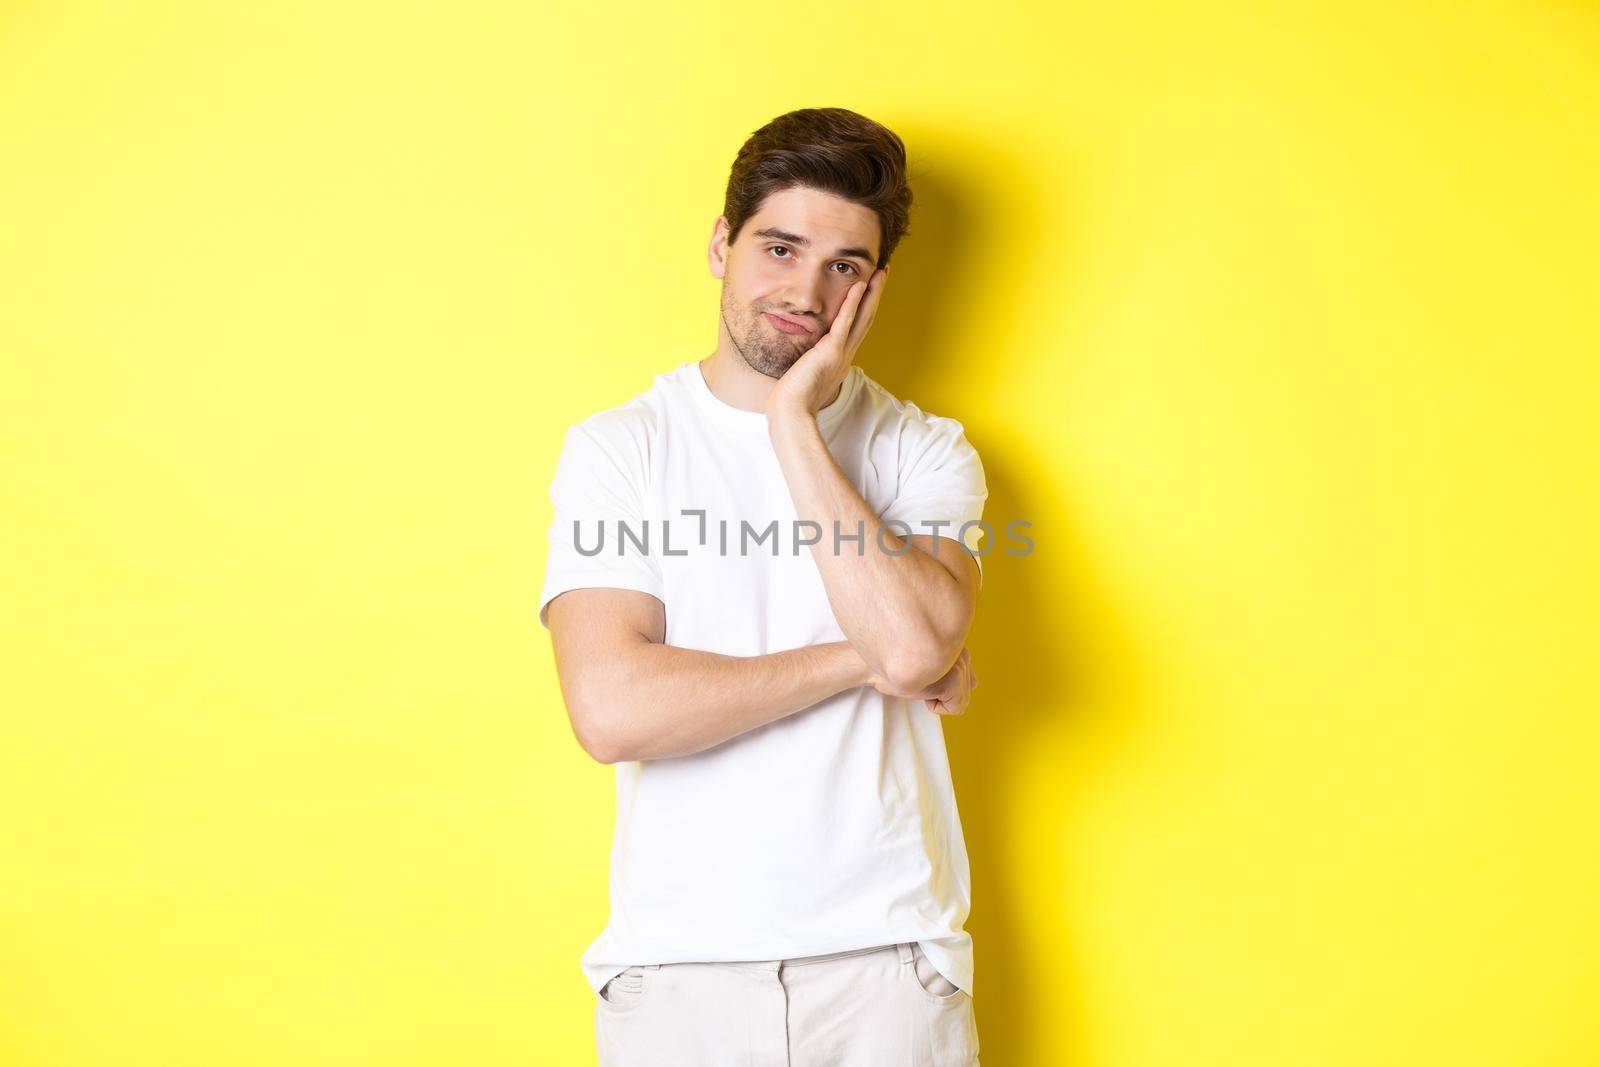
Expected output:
(1037, 684)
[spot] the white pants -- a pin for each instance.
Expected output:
(874, 1007)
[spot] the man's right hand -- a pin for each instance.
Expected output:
(949, 695)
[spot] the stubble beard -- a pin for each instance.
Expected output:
(765, 349)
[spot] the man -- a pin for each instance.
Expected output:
(760, 582)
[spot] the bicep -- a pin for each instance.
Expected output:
(591, 630)
(589, 624)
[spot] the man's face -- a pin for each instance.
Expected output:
(795, 259)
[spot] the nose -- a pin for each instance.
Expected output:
(803, 297)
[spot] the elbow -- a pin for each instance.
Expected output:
(916, 667)
(923, 653)
(598, 734)
(600, 751)
(603, 747)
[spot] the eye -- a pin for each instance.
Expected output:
(851, 266)
(779, 248)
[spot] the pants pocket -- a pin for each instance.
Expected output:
(625, 991)
(933, 983)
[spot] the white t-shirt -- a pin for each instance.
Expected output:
(829, 829)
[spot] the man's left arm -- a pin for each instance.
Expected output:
(905, 603)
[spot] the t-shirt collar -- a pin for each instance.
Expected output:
(756, 421)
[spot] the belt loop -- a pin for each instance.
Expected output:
(652, 966)
(905, 951)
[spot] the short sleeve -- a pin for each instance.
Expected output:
(941, 481)
(598, 487)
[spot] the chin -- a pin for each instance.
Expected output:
(765, 364)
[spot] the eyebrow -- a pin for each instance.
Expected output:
(804, 242)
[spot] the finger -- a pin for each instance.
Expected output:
(861, 320)
(845, 317)
(851, 322)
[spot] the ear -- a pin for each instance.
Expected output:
(717, 252)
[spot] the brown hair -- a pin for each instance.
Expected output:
(829, 149)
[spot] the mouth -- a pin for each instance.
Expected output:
(786, 325)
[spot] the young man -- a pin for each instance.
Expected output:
(760, 582)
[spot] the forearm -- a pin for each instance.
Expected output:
(667, 701)
(899, 607)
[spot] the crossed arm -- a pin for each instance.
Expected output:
(631, 696)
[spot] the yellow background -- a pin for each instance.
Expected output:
(1278, 322)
